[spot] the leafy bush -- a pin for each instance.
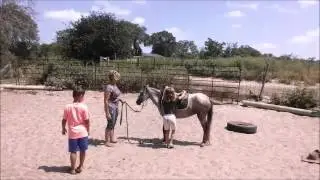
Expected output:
(275, 99)
(298, 98)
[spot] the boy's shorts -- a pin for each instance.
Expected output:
(80, 144)
(169, 122)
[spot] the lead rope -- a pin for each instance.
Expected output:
(121, 115)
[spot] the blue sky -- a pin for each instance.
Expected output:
(278, 27)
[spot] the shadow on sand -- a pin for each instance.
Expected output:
(156, 143)
(57, 169)
(96, 142)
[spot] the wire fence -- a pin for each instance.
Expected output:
(221, 82)
(216, 81)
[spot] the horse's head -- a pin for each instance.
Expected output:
(143, 95)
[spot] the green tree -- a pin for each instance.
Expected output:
(245, 50)
(47, 50)
(213, 48)
(18, 30)
(137, 35)
(163, 43)
(186, 49)
(100, 34)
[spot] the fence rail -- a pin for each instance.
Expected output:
(197, 78)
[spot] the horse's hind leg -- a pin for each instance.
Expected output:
(202, 119)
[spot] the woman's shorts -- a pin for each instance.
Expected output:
(80, 144)
(169, 122)
(114, 116)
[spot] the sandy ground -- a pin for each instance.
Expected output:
(32, 146)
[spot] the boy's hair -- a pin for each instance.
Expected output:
(78, 91)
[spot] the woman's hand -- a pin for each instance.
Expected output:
(108, 116)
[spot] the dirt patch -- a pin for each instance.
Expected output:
(32, 146)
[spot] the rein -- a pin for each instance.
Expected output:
(121, 115)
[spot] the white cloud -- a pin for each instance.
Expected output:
(308, 37)
(106, 6)
(142, 2)
(236, 13)
(307, 3)
(178, 33)
(64, 15)
(281, 9)
(236, 26)
(139, 20)
(253, 6)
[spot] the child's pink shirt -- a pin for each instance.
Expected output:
(75, 114)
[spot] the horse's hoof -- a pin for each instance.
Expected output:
(202, 145)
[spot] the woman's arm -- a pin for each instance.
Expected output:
(106, 99)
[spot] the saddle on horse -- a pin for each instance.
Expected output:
(183, 103)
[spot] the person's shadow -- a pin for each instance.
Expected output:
(57, 169)
(96, 142)
(156, 143)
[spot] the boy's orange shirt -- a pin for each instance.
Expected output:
(75, 114)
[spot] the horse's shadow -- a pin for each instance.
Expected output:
(57, 169)
(156, 143)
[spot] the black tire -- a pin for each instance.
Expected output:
(241, 127)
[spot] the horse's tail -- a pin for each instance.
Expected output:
(209, 120)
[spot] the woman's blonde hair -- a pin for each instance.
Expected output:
(113, 75)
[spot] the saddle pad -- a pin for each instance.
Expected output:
(183, 103)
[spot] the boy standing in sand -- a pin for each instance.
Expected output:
(76, 115)
(169, 103)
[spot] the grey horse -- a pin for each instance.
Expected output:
(198, 103)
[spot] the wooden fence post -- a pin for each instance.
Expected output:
(263, 81)
(212, 76)
(238, 95)
(188, 81)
